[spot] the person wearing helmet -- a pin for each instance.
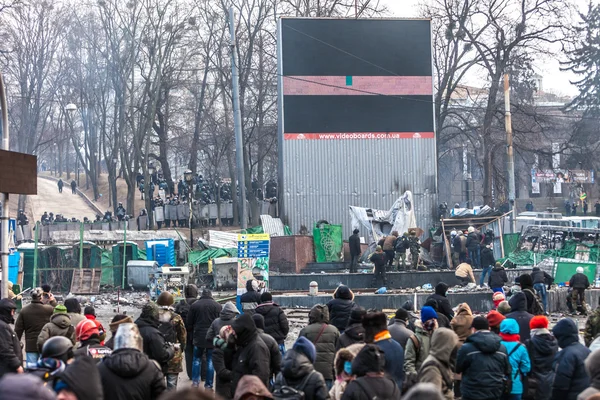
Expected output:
(11, 355)
(579, 282)
(88, 335)
(56, 353)
(121, 212)
(128, 374)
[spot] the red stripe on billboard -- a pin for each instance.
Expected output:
(357, 85)
(358, 135)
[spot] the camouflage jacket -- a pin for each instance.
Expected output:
(592, 327)
(175, 363)
(413, 244)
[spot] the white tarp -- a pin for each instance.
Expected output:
(223, 240)
(400, 217)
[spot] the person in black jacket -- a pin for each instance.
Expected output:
(526, 284)
(474, 247)
(183, 308)
(11, 354)
(200, 317)
(518, 306)
(155, 346)
(80, 379)
(274, 353)
(222, 373)
(354, 244)
(487, 262)
(128, 374)
(483, 363)
(579, 282)
(370, 382)
(228, 313)
(298, 372)
(340, 307)
(541, 280)
(251, 298)
(542, 348)
(248, 355)
(276, 322)
(570, 377)
(443, 304)
(497, 278)
(355, 332)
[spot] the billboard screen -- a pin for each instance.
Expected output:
(356, 122)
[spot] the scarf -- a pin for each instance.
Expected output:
(383, 335)
(507, 337)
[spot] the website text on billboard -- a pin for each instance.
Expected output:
(358, 135)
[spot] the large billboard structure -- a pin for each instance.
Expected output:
(356, 124)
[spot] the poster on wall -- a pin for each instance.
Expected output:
(253, 261)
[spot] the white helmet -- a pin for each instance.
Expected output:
(453, 233)
(580, 270)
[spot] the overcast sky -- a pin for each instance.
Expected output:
(554, 80)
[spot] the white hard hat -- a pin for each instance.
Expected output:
(580, 270)
(453, 233)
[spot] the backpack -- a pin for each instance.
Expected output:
(536, 308)
(286, 392)
(168, 331)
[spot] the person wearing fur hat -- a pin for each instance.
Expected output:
(114, 325)
(89, 341)
(274, 353)
(399, 327)
(542, 348)
(498, 278)
(497, 298)
(59, 325)
(371, 380)
(517, 356)
(155, 346)
(298, 372)
(30, 321)
(355, 332)
(340, 307)
(437, 367)
(343, 369)
(376, 332)
(417, 351)
(494, 320)
(11, 354)
(173, 329)
(276, 322)
(325, 337)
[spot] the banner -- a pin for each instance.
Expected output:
(561, 176)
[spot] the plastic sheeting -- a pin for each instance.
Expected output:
(202, 257)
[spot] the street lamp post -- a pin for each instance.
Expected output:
(189, 175)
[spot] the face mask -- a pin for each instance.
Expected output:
(348, 367)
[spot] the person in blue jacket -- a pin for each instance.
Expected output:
(517, 356)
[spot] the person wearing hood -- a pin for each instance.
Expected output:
(325, 337)
(11, 354)
(200, 317)
(494, 320)
(90, 313)
(437, 367)
(371, 382)
(354, 333)
(570, 377)
(487, 262)
(376, 332)
(155, 346)
(461, 325)
(222, 373)
(340, 307)
(592, 367)
(276, 322)
(483, 363)
(74, 311)
(518, 306)
(25, 387)
(542, 348)
(183, 308)
(399, 327)
(229, 312)
(298, 372)
(534, 307)
(79, 381)
(173, 329)
(517, 356)
(417, 350)
(114, 325)
(579, 282)
(343, 369)
(128, 373)
(274, 353)
(89, 341)
(59, 325)
(442, 320)
(541, 282)
(251, 298)
(251, 388)
(248, 354)
(30, 321)
(444, 306)
(498, 278)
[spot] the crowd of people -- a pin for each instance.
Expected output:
(344, 352)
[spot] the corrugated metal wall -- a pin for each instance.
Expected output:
(321, 178)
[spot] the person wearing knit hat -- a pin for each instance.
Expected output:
(497, 298)
(114, 325)
(399, 327)
(376, 332)
(276, 322)
(480, 324)
(59, 325)
(539, 322)
(74, 310)
(306, 347)
(88, 337)
(354, 332)
(517, 355)
(494, 320)
(154, 342)
(416, 352)
(504, 308)
(542, 348)
(428, 313)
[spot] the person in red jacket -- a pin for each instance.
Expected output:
(90, 313)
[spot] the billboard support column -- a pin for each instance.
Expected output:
(237, 123)
(510, 164)
(4, 196)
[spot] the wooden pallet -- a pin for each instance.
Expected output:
(86, 281)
